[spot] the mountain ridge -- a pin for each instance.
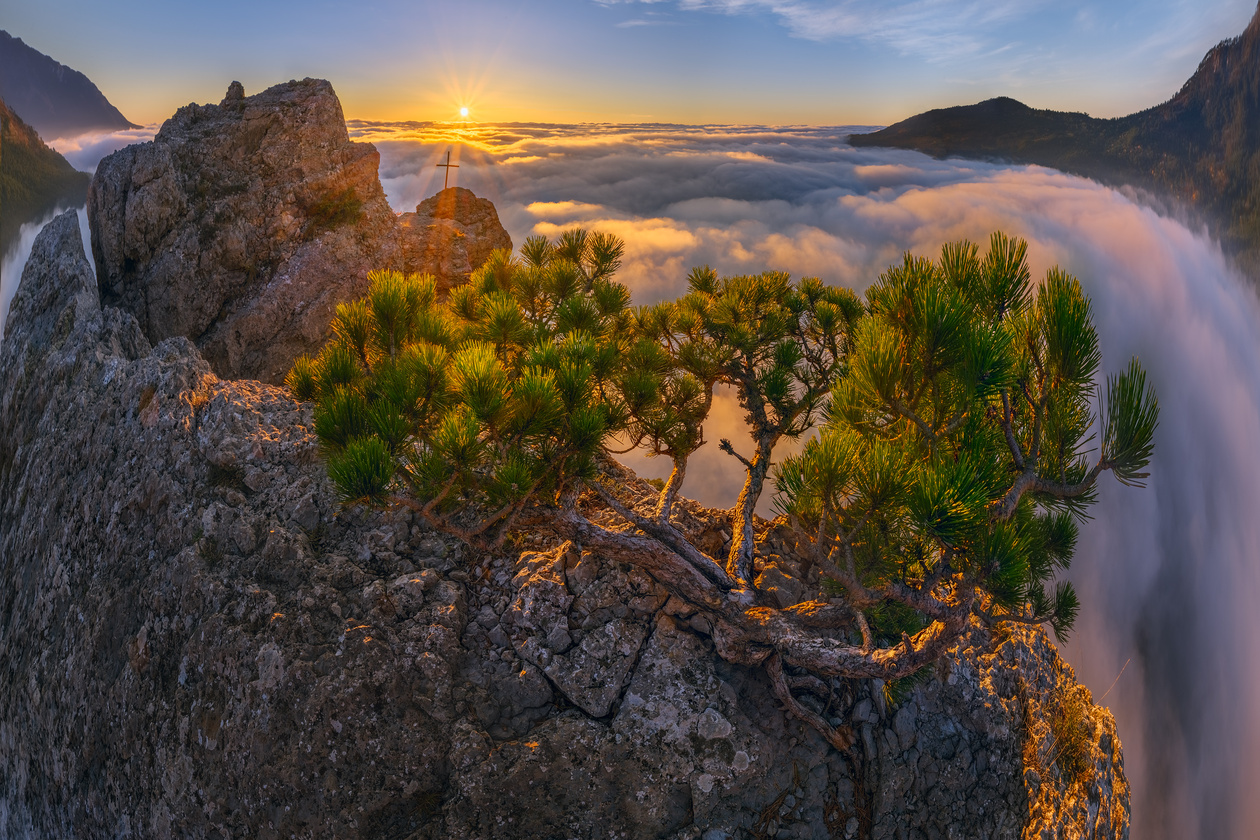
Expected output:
(1201, 147)
(58, 101)
(34, 179)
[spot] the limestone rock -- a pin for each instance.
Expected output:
(197, 640)
(242, 225)
(592, 672)
(450, 235)
(782, 588)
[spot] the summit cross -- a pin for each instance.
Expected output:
(449, 166)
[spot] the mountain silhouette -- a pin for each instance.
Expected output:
(1201, 147)
(52, 98)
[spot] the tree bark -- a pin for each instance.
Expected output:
(743, 546)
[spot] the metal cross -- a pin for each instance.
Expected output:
(449, 166)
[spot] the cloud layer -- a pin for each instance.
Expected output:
(87, 150)
(1168, 575)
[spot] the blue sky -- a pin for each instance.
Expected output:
(689, 61)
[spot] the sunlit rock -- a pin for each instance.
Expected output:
(450, 235)
(242, 225)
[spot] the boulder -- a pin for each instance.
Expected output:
(242, 225)
(450, 235)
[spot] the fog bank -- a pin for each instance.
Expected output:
(1167, 575)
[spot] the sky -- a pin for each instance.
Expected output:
(775, 62)
(1167, 574)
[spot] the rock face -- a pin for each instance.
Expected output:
(197, 641)
(242, 225)
(451, 234)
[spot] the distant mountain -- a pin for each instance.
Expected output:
(56, 100)
(34, 179)
(1201, 147)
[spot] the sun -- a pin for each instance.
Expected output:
(463, 112)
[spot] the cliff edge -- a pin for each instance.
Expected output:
(196, 640)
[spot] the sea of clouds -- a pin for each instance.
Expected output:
(1168, 575)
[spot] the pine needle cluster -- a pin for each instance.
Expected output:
(957, 445)
(958, 434)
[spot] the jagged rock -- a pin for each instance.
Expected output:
(784, 589)
(197, 640)
(450, 235)
(242, 225)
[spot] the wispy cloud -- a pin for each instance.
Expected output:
(932, 29)
(656, 21)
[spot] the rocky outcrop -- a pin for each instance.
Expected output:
(242, 225)
(196, 640)
(451, 234)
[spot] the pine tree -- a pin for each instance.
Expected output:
(951, 465)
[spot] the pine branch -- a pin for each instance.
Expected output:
(676, 574)
(668, 536)
(665, 505)
(1029, 482)
(860, 596)
(905, 411)
(990, 618)
(1009, 431)
(839, 737)
(725, 446)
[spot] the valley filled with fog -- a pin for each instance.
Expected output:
(1166, 575)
